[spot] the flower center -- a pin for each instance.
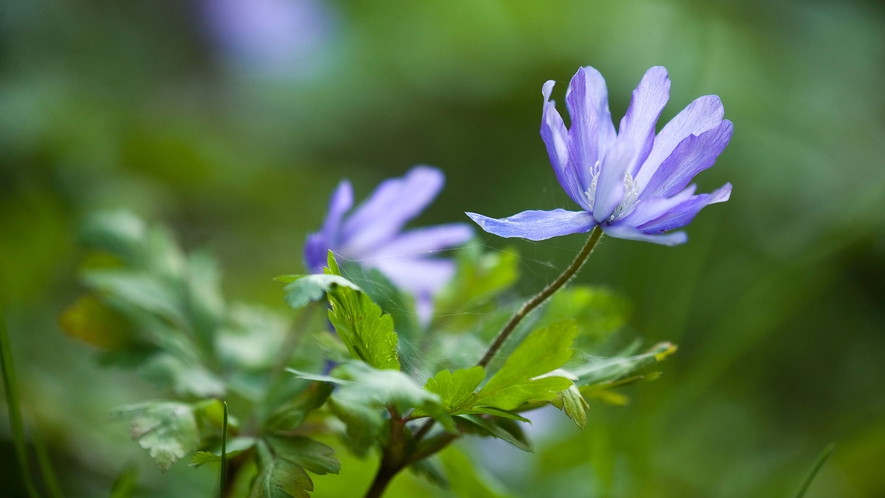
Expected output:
(631, 194)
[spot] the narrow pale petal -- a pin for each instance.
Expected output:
(327, 238)
(392, 204)
(583, 136)
(693, 155)
(537, 225)
(422, 241)
(626, 232)
(704, 114)
(610, 186)
(653, 208)
(555, 137)
(638, 124)
(683, 213)
(597, 94)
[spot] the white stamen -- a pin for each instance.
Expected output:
(631, 194)
(591, 190)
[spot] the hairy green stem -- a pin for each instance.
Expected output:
(542, 296)
(393, 459)
(15, 415)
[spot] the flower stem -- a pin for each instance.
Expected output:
(394, 459)
(542, 296)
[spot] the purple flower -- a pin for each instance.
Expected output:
(372, 235)
(632, 184)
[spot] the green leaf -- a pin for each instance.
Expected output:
(487, 410)
(96, 324)
(430, 469)
(501, 428)
(291, 415)
(512, 397)
(279, 478)
(307, 453)
(573, 405)
(602, 370)
(183, 376)
(142, 290)
(168, 430)
(465, 477)
(205, 302)
(454, 389)
(120, 232)
(234, 447)
(399, 305)
(521, 379)
(598, 312)
(364, 391)
(304, 289)
(363, 328)
(363, 424)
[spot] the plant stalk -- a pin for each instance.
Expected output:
(394, 460)
(542, 296)
(15, 415)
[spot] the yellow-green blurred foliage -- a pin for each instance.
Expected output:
(777, 302)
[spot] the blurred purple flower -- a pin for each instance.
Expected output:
(630, 183)
(372, 235)
(281, 37)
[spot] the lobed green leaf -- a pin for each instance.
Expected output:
(168, 430)
(362, 326)
(523, 378)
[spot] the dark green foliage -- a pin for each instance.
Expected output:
(501, 428)
(152, 307)
(282, 463)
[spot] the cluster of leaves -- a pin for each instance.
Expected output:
(156, 310)
(372, 388)
(160, 312)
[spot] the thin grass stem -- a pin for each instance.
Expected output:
(821, 460)
(46, 470)
(15, 414)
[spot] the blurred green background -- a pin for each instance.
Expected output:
(232, 121)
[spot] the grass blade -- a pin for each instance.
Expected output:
(814, 470)
(223, 487)
(126, 482)
(15, 414)
(49, 478)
